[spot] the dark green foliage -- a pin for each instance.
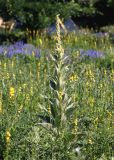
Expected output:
(40, 14)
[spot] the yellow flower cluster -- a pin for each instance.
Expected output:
(20, 109)
(49, 109)
(38, 73)
(8, 136)
(90, 75)
(73, 78)
(60, 95)
(112, 75)
(75, 123)
(11, 92)
(90, 141)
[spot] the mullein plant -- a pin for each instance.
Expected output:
(60, 108)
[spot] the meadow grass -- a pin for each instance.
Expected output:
(61, 105)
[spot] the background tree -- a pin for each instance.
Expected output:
(41, 13)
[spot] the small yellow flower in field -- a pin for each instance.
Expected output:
(100, 86)
(73, 78)
(76, 122)
(110, 114)
(4, 66)
(88, 85)
(8, 136)
(60, 95)
(91, 101)
(38, 73)
(90, 141)
(90, 75)
(27, 97)
(20, 108)
(11, 92)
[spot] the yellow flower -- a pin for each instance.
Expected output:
(8, 136)
(90, 141)
(27, 97)
(60, 95)
(90, 74)
(76, 122)
(49, 109)
(11, 92)
(38, 73)
(100, 86)
(20, 108)
(73, 78)
(31, 90)
(91, 101)
(88, 85)
(110, 114)
(4, 66)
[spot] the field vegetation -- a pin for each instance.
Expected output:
(57, 98)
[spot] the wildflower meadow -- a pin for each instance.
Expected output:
(57, 97)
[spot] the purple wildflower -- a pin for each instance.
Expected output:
(91, 53)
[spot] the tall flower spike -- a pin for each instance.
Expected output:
(59, 48)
